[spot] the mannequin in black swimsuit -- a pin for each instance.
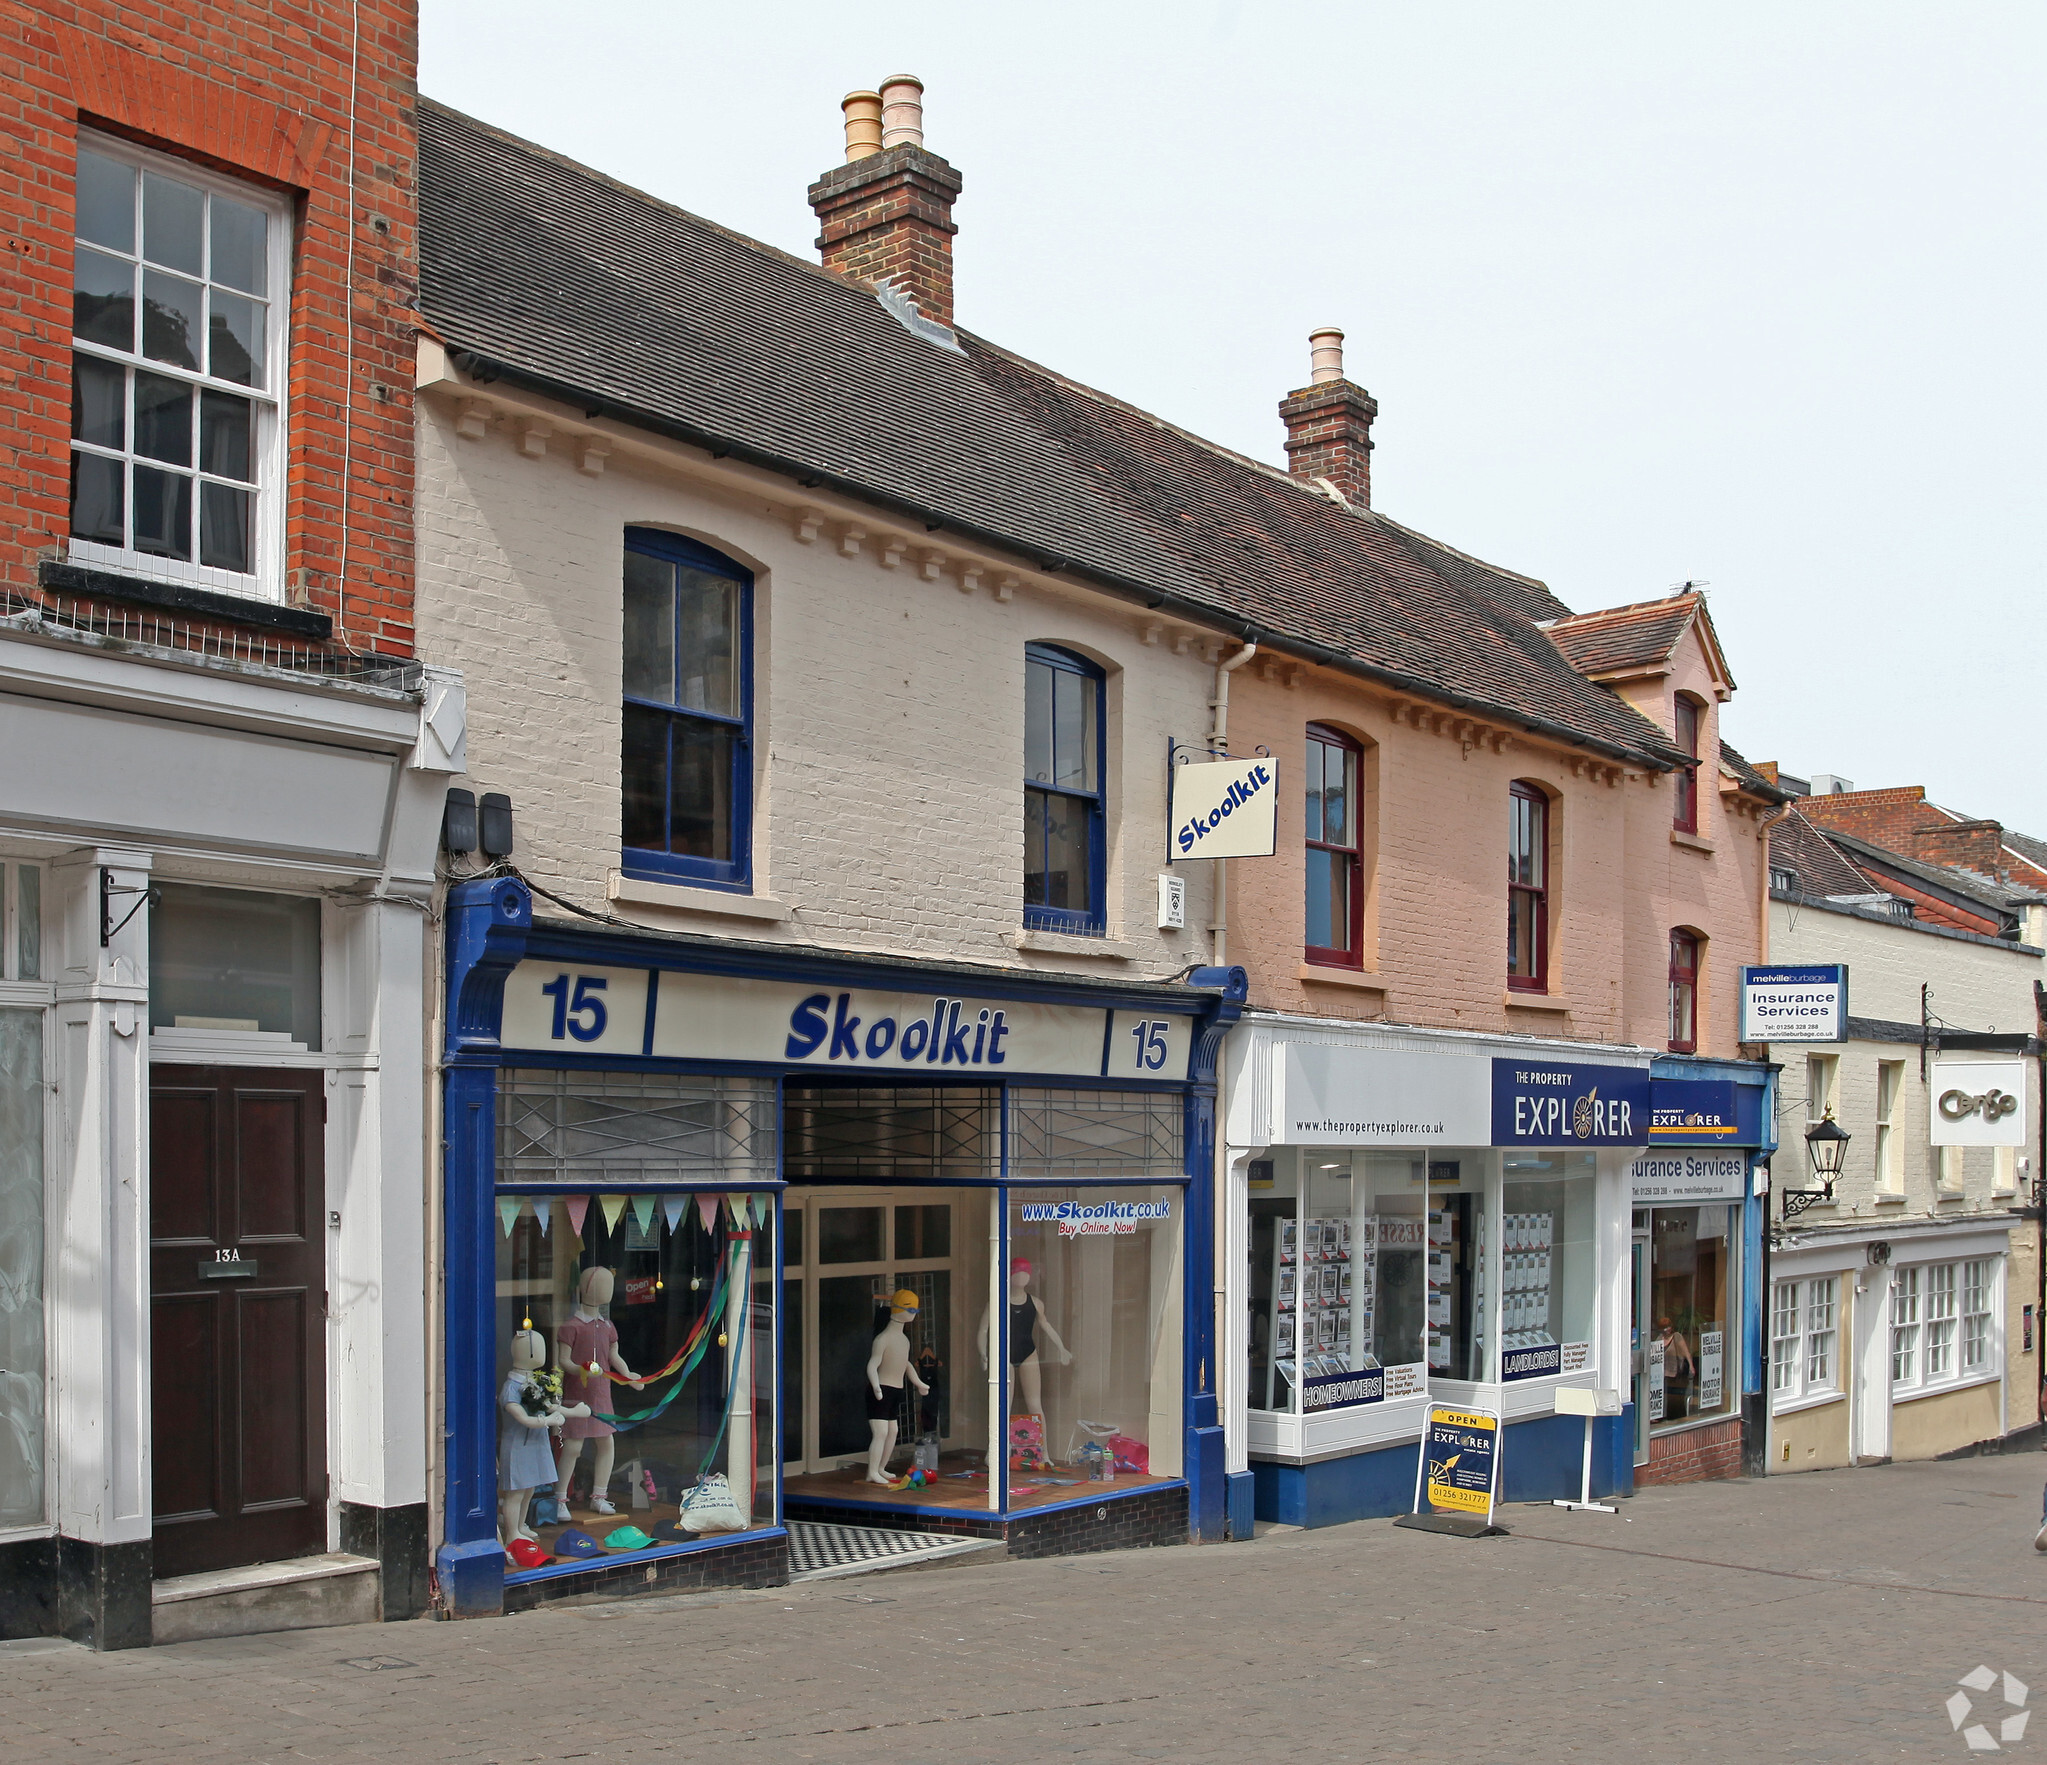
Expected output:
(1030, 1331)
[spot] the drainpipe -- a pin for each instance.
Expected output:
(1219, 740)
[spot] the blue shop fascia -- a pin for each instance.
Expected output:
(760, 1259)
(1414, 1217)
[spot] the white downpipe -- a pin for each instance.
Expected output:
(1219, 740)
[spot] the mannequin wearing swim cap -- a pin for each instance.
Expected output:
(1030, 1334)
(888, 1366)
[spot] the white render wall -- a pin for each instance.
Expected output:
(1975, 986)
(888, 721)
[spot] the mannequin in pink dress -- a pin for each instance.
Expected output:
(586, 1350)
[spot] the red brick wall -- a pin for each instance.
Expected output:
(1329, 435)
(1888, 818)
(888, 218)
(258, 89)
(1693, 1455)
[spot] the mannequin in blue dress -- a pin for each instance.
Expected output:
(525, 1460)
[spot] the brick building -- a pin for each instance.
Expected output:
(218, 826)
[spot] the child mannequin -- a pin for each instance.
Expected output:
(586, 1350)
(525, 1462)
(1029, 1328)
(887, 1367)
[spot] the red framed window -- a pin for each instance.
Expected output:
(1685, 816)
(1334, 931)
(1684, 993)
(1528, 890)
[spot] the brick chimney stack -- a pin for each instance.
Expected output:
(886, 214)
(1329, 422)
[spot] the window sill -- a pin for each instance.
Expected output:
(635, 891)
(1685, 1424)
(201, 603)
(1069, 944)
(1797, 1404)
(1889, 1198)
(1678, 837)
(1329, 975)
(1518, 1001)
(1947, 1387)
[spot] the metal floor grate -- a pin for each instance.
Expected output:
(821, 1552)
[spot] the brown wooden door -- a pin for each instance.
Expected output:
(238, 1301)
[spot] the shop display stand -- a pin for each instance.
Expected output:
(1587, 1404)
(1312, 1297)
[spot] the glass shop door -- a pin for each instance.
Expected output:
(846, 1250)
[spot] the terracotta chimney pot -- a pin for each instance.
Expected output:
(863, 124)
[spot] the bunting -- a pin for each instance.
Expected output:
(578, 1206)
(509, 1209)
(707, 1209)
(643, 1211)
(672, 1206)
(613, 1206)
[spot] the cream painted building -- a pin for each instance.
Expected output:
(1902, 1310)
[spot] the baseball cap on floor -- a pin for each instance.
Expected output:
(573, 1543)
(626, 1538)
(673, 1532)
(527, 1554)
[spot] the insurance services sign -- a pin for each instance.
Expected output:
(1807, 1004)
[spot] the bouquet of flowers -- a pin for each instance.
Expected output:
(542, 1391)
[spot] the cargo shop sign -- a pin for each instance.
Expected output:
(1541, 1103)
(1095, 1219)
(567, 1009)
(1225, 809)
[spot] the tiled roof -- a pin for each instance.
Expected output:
(1618, 638)
(538, 268)
(1751, 780)
(1798, 846)
(1971, 885)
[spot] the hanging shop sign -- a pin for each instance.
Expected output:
(1544, 1103)
(1665, 1177)
(1795, 1004)
(1225, 809)
(1335, 1096)
(1460, 1462)
(562, 1008)
(1978, 1102)
(1704, 1112)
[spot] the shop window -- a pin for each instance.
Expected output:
(1804, 1340)
(22, 1437)
(1095, 1133)
(1890, 1163)
(1092, 1316)
(232, 959)
(1687, 718)
(1339, 1283)
(1905, 1327)
(1064, 836)
(21, 922)
(1693, 1286)
(1335, 873)
(670, 1295)
(1545, 1264)
(180, 290)
(1977, 1294)
(637, 1128)
(1528, 851)
(686, 768)
(1684, 991)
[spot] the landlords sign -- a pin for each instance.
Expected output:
(1225, 809)
(1795, 1004)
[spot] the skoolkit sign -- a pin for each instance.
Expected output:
(1978, 1102)
(1225, 809)
(1808, 1004)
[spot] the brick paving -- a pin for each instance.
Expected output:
(1822, 1617)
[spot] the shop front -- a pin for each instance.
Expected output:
(1413, 1217)
(1695, 1271)
(742, 1238)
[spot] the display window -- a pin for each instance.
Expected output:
(1547, 1263)
(1693, 1283)
(1087, 1335)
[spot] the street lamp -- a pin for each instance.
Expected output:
(1826, 1146)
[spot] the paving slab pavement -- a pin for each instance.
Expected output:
(1820, 1617)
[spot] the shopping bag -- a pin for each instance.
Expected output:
(1130, 1455)
(709, 1507)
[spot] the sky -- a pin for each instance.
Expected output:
(1747, 294)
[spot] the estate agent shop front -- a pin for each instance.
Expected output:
(1414, 1216)
(813, 1237)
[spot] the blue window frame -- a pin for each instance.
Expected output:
(1064, 843)
(686, 759)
